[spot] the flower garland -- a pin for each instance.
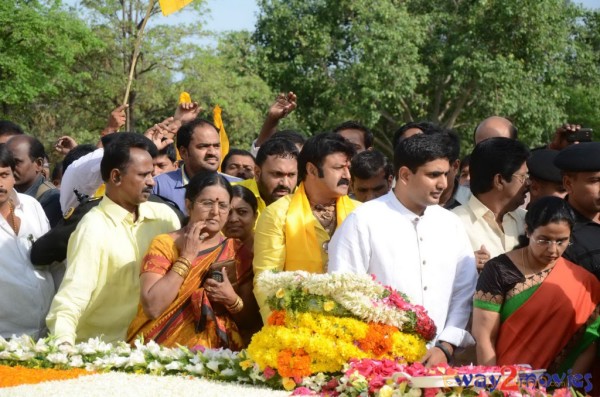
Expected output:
(19, 375)
(345, 294)
(358, 377)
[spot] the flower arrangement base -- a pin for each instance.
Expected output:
(321, 321)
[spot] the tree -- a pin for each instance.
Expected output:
(226, 76)
(452, 62)
(39, 44)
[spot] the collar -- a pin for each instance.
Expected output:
(119, 214)
(405, 212)
(32, 191)
(184, 177)
(579, 217)
(480, 210)
(14, 196)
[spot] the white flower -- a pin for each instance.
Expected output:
(76, 361)
(197, 369)
(41, 346)
(227, 372)
(5, 355)
(57, 358)
(153, 348)
(173, 366)
(155, 366)
(25, 356)
(214, 365)
(137, 358)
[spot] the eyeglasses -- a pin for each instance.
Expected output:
(209, 205)
(542, 242)
(522, 178)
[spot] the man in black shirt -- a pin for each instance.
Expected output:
(580, 165)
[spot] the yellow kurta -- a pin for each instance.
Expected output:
(100, 291)
(270, 245)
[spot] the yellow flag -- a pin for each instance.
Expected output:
(170, 6)
(222, 134)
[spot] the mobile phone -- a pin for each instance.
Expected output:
(581, 135)
(217, 276)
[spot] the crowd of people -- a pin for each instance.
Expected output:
(159, 235)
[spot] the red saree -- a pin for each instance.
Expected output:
(547, 323)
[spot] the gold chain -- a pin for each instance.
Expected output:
(11, 213)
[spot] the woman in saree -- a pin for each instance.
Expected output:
(181, 302)
(240, 225)
(532, 306)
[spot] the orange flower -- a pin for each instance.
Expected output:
(293, 364)
(378, 340)
(14, 376)
(277, 318)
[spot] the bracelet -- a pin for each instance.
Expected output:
(182, 264)
(180, 269)
(184, 260)
(444, 350)
(237, 307)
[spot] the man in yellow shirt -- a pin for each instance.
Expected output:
(293, 233)
(100, 291)
(275, 172)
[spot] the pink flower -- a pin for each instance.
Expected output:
(198, 348)
(562, 393)
(269, 373)
(431, 392)
(303, 391)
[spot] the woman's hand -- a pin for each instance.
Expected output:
(193, 236)
(220, 292)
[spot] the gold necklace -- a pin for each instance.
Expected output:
(11, 215)
(525, 264)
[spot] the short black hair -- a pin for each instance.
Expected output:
(6, 157)
(204, 179)
(57, 171)
(117, 153)
(169, 151)
(419, 149)
(294, 136)
(320, 146)
(76, 153)
(452, 140)
(494, 156)
(432, 128)
(185, 132)
(279, 147)
(367, 164)
(235, 152)
(246, 194)
(36, 148)
(9, 128)
(465, 162)
(355, 125)
(544, 211)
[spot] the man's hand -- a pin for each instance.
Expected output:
(116, 120)
(160, 134)
(482, 255)
(64, 145)
(435, 356)
(187, 112)
(284, 104)
(559, 141)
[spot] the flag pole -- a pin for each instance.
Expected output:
(136, 53)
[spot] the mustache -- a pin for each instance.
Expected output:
(4, 191)
(344, 181)
(147, 190)
(210, 156)
(281, 187)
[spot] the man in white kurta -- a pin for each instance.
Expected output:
(412, 244)
(25, 291)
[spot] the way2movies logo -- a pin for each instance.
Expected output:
(514, 378)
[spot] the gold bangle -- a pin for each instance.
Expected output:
(237, 307)
(180, 269)
(181, 263)
(185, 261)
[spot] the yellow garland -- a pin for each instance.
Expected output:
(329, 341)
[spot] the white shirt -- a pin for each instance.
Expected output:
(427, 257)
(482, 229)
(84, 175)
(25, 292)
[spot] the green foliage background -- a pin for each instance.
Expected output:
(455, 62)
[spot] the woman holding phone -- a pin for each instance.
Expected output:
(186, 296)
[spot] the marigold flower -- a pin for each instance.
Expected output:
(329, 306)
